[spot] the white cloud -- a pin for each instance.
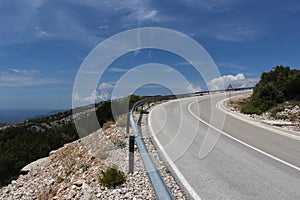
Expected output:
(105, 86)
(21, 72)
(93, 97)
(76, 96)
(150, 54)
(26, 22)
(110, 17)
(237, 81)
(103, 27)
(102, 93)
(151, 15)
(141, 12)
(138, 12)
(136, 52)
(116, 69)
(23, 78)
(231, 66)
(192, 88)
(34, 4)
(41, 33)
(143, 15)
(224, 26)
(237, 33)
(211, 5)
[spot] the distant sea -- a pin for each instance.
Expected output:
(15, 115)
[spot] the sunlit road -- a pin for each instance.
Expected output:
(248, 163)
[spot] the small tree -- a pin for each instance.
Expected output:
(279, 85)
(112, 177)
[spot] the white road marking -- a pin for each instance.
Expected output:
(180, 176)
(241, 142)
(221, 107)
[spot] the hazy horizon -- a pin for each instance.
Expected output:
(20, 115)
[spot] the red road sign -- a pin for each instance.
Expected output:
(229, 87)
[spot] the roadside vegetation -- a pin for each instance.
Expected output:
(288, 110)
(273, 90)
(112, 177)
(35, 138)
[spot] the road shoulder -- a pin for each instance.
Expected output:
(288, 133)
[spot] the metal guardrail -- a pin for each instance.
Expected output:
(161, 190)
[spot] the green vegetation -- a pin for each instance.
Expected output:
(84, 166)
(103, 154)
(119, 144)
(105, 114)
(35, 138)
(112, 177)
(104, 151)
(20, 145)
(48, 119)
(279, 111)
(275, 87)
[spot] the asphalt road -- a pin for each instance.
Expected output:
(217, 156)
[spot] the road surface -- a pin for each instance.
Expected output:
(217, 156)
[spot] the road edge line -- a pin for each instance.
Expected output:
(178, 173)
(221, 107)
(241, 142)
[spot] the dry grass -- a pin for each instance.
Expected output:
(277, 111)
(107, 125)
(236, 104)
(121, 120)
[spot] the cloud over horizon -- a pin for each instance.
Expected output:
(237, 81)
(15, 77)
(244, 38)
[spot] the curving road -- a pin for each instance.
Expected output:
(218, 156)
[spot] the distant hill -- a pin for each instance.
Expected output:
(26, 142)
(275, 87)
(49, 113)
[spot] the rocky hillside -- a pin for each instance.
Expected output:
(25, 142)
(73, 171)
(285, 115)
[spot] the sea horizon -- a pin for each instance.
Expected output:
(20, 115)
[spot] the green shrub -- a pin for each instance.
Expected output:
(119, 144)
(84, 166)
(102, 154)
(108, 147)
(275, 110)
(112, 177)
(22, 144)
(252, 107)
(279, 85)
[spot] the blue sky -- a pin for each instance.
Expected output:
(44, 42)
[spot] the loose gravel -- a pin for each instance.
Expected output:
(72, 172)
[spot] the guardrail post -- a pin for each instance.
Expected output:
(127, 124)
(131, 154)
